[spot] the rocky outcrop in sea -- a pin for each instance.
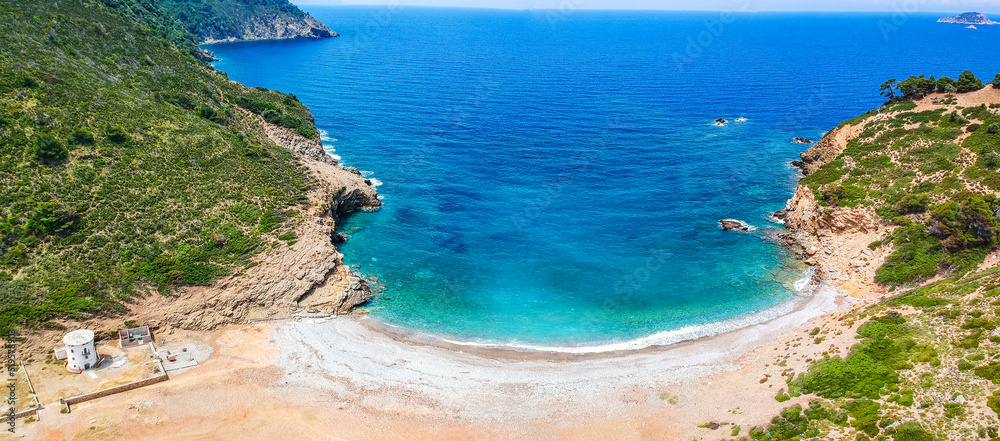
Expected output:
(968, 18)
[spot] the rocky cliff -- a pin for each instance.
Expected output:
(217, 21)
(272, 28)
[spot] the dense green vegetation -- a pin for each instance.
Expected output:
(152, 15)
(869, 371)
(125, 162)
(921, 86)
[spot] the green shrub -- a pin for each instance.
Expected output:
(116, 135)
(206, 112)
(918, 255)
(865, 415)
(914, 203)
(993, 402)
(911, 431)
(919, 300)
(869, 368)
(47, 148)
(81, 137)
(993, 129)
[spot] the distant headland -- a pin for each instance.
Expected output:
(968, 18)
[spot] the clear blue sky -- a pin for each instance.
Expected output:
(718, 5)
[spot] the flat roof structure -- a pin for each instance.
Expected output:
(79, 337)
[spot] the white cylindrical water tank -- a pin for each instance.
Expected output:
(80, 352)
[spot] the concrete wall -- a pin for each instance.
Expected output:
(114, 390)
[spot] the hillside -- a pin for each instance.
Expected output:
(129, 168)
(902, 202)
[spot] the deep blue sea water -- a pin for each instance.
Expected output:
(553, 179)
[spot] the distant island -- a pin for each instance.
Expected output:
(968, 18)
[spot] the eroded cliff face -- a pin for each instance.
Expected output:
(307, 277)
(834, 240)
(273, 28)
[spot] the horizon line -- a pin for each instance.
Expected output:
(831, 11)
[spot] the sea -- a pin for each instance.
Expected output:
(553, 179)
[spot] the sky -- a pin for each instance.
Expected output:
(909, 6)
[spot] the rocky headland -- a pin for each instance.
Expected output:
(306, 277)
(272, 28)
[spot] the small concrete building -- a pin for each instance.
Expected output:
(80, 351)
(130, 338)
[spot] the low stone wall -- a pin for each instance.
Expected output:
(6, 417)
(114, 390)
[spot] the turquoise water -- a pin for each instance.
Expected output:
(555, 180)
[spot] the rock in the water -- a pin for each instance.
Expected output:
(720, 122)
(802, 141)
(735, 225)
(968, 18)
(337, 238)
(741, 119)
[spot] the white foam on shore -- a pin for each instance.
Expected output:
(375, 182)
(805, 288)
(325, 136)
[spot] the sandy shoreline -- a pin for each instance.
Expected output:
(396, 367)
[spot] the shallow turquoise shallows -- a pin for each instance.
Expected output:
(553, 179)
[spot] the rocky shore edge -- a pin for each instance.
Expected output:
(833, 240)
